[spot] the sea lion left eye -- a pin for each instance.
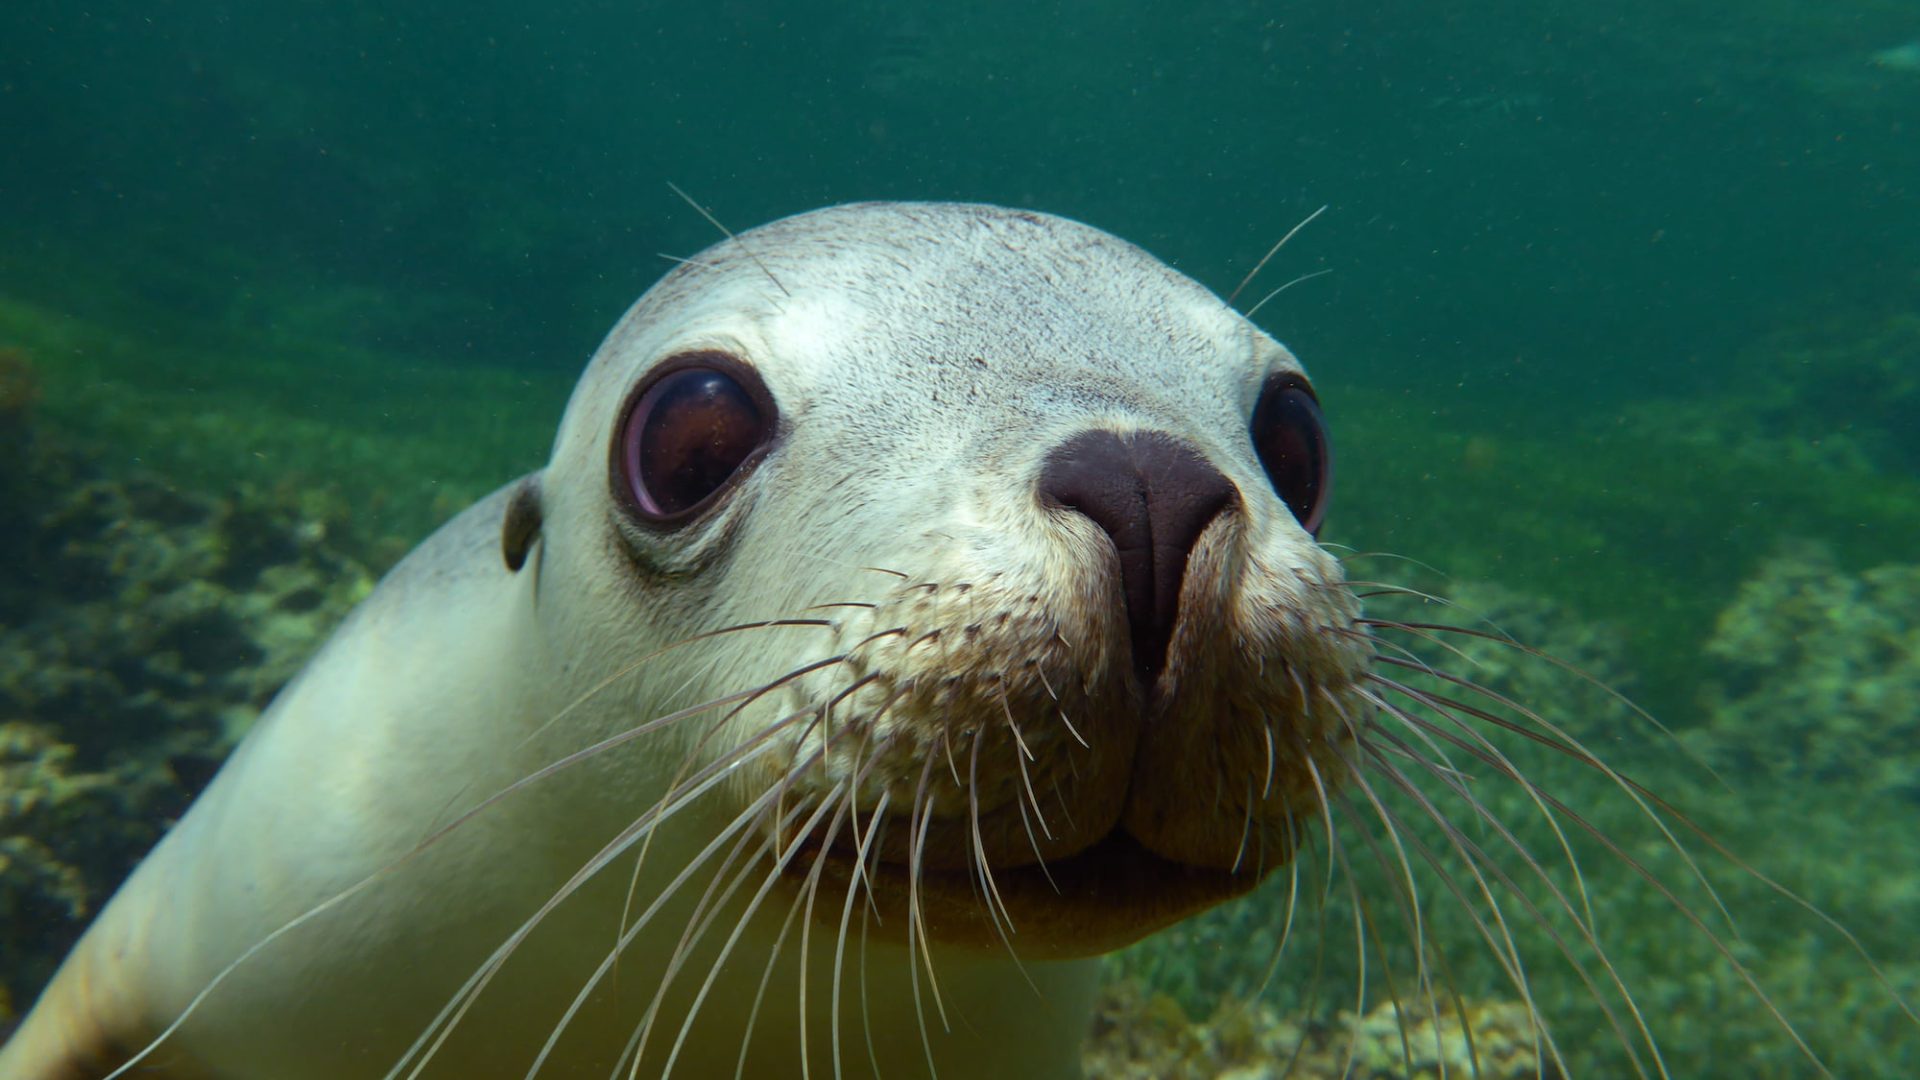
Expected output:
(684, 438)
(1291, 438)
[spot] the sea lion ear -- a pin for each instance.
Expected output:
(521, 526)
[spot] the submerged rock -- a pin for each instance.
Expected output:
(142, 630)
(1819, 675)
(1838, 398)
(1139, 1035)
(45, 804)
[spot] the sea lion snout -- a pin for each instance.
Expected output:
(1153, 495)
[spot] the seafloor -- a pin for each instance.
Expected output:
(185, 523)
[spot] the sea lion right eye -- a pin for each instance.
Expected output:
(688, 434)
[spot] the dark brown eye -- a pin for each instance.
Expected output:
(1291, 439)
(685, 437)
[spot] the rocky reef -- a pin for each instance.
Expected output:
(1837, 398)
(1816, 675)
(142, 629)
(1139, 1034)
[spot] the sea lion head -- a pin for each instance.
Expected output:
(997, 539)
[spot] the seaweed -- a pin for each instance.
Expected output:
(1142, 1034)
(143, 630)
(1818, 675)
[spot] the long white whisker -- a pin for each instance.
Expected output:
(407, 857)
(917, 829)
(451, 1014)
(1476, 858)
(767, 883)
(846, 916)
(1250, 312)
(1561, 740)
(1271, 252)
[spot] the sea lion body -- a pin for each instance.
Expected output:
(378, 972)
(916, 629)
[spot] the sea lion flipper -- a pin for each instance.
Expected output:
(521, 525)
(82, 1027)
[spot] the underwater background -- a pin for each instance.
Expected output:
(1618, 336)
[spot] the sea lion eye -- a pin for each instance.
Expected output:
(1291, 439)
(688, 434)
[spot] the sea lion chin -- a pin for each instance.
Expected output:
(938, 578)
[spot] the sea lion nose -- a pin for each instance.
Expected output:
(1153, 495)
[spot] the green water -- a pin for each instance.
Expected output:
(1623, 298)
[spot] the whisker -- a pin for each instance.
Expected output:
(1326, 816)
(766, 978)
(1355, 555)
(1509, 956)
(846, 915)
(1410, 898)
(704, 914)
(1271, 252)
(1652, 800)
(715, 222)
(868, 916)
(1286, 925)
(1408, 901)
(596, 689)
(1506, 767)
(341, 897)
(639, 862)
(752, 907)
(1255, 309)
(700, 921)
(917, 829)
(830, 801)
(1266, 781)
(1246, 829)
(980, 849)
(1560, 741)
(1504, 949)
(811, 892)
(1020, 758)
(456, 1008)
(1338, 853)
(1544, 1049)
(1505, 641)
(642, 830)
(1040, 670)
(1476, 856)
(1413, 659)
(854, 881)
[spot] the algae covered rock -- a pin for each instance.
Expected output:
(167, 617)
(1817, 674)
(142, 630)
(1141, 1035)
(1864, 387)
(54, 821)
(1838, 397)
(1568, 671)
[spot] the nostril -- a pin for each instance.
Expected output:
(1153, 495)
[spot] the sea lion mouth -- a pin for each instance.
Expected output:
(1062, 808)
(1107, 896)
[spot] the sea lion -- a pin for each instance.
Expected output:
(920, 601)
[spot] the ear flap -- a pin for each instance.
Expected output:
(521, 526)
